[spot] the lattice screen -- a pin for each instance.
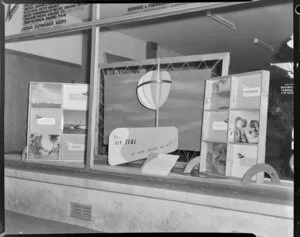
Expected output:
(215, 66)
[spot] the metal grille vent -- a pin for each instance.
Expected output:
(81, 211)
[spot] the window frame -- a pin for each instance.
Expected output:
(94, 25)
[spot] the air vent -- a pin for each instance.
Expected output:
(81, 211)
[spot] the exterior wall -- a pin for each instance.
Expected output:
(130, 208)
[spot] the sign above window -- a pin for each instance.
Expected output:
(31, 17)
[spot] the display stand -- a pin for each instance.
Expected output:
(235, 124)
(57, 121)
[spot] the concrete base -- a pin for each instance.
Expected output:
(16, 223)
(131, 208)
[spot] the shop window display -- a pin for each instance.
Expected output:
(233, 119)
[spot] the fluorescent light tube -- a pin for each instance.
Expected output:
(222, 20)
(263, 44)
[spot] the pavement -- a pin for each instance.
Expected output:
(16, 223)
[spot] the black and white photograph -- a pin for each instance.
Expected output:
(75, 122)
(46, 95)
(216, 158)
(44, 146)
(150, 117)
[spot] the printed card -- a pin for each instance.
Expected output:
(75, 96)
(45, 120)
(44, 146)
(73, 147)
(159, 164)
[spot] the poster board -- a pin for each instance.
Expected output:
(235, 124)
(178, 111)
(57, 121)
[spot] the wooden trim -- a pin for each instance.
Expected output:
(42, 58)
(93, 91)
(176, 10)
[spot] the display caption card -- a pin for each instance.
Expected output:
(159, 164)
(251, 91)
(130, 144)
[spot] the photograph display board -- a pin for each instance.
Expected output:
(57, 121)
(235, 123)
(183, 108)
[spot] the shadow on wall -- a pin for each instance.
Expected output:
(20, 70)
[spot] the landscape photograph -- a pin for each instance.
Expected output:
(75, 122)
(45, 95)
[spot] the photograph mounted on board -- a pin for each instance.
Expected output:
(75, 96)
(217, 94)
(45, 95)
(243, 158)
(216, 158)
(44, 146)
(45, 120)
(244, 127)
(75, 122)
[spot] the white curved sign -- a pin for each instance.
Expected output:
(131, 144)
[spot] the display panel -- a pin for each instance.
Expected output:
(217, 94)
(238, 127)
(57, 121)
(215, 126)
(182, 109)
(247, 91)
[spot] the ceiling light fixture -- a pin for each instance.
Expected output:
(222, 20)
(263, 44)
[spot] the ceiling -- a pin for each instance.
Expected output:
(196, 33)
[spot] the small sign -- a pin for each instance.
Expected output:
(251, 91)
(130, 144)
(159, 164)
(46, 121)
(219, 125)
(75, 147)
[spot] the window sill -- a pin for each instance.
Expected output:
(221, 193)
